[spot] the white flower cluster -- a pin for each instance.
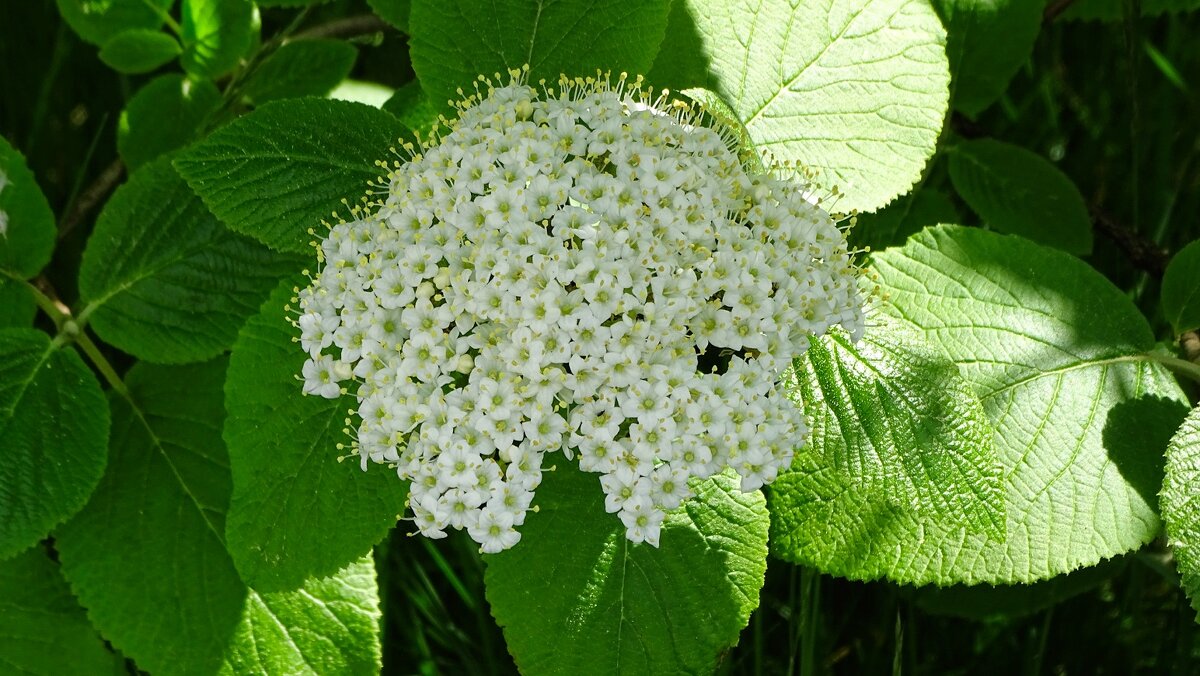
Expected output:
(574, 272)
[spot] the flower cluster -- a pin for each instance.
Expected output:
(586, 271)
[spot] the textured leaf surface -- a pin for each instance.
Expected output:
(987, 41)
(147, 557)
(163, 116)
(43, 630)
(55, 427)
(901, 219)
(301, 68)
(1016, 191)
(453, 41)
(1181, 289)
(574, 596)
(896, 431)
(276, 173)
(26, 223)
(854, 90)
(297, 511)
(1180, 503)
(17, 308)
(163, 279)
(215, 35)
(139, 50)
(98, 21)
(1056, 354)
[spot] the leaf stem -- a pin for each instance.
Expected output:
(101, 363)
(1176, 364)
(53, 308)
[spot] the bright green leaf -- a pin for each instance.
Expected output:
(1112, 10)
(139, 50)
(301, 68)
(163, 279)
(896, 433)
(453, 42)
(394, 12)
(43, 630)
(1181, 289)
(1019, 192)
(215, 35)
(98, 21)
(164, 115)
(574, 596)
(17, 308)
(146, 556)
(27, 229)
(1180, 503)
(276, 173)
(1058, 356)
(297, 510)
(854, 90)
(901, 219)
(55, 428)
(987, 42)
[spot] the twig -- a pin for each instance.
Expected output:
(1143, 253)
(93, 195)
(349, 27)
(1054, 9)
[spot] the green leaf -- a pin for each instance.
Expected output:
(574, 596)
(987, 42)
(1082, 414)
(1181, 289)
(301, 68)
(215, 35)
(394, 12)
(166, 114)
(855, 90)
(27, 228)
(1112, 10)
(327, 626)
(139, 50)
(55, 426)
(162, 278)
(1017, 191)
(901, 219)
(898, 437)
(276, 173)
(681, 61)
(98, 21)
(1180, 501)
(411, 106)
(42, 629)
(17, 308)
(297, 510)
(453, 42)
(147, 559)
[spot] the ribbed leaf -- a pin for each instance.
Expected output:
(1181, 504)
(166, 114)
(301, 68)
(26, 223)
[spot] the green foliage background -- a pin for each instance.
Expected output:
(1003, 475)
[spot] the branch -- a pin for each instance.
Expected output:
(344, 28)
(1055, 9)
(93, 195)
(1143, 253)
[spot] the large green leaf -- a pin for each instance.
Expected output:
(453, 42)
(1019, 192)
(1059, 358)
(896, 431)
(54, 427)
(147, 557)
(43, 630)
(297, 510)
(98, 21)
(26, 223)
(1181, 289)
(215, 35)
(301, 68)
(574, 596)
(987, 42)
(394, 12)
(1180, 502)
(853, 89)
(139, 50)
(163, 279)
(164, 115)
(17, 307)
(276, 173)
